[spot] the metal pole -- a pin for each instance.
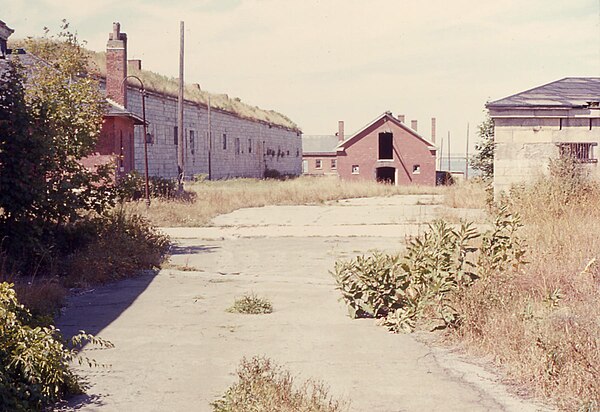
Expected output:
(180, 164)
(145, 137)
(449, 170)
(467, 156)
(209, 142)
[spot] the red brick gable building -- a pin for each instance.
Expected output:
(387, 150)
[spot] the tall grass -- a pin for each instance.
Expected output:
(543, 323)
(219, 197)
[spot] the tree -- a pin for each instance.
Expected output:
(483, 159)
(50, 119)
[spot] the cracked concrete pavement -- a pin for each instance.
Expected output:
(176, 347)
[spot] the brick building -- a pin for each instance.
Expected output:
(386, 150)
(319, 155)
(236, 146)
(534, 126)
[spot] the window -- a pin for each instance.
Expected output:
(176, 135)
(581, 152)
(318, 163)
(249, 145)
(386, 146)
(224, 141)
(192, 138)
(237, 145)
(355, 169)
(416, 169)
(333, 164)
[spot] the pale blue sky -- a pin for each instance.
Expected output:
(320, 61)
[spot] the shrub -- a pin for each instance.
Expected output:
(251, 304)
(263, 386)
(400, 291)
(124, 243)
(132, 186)
(34, 361)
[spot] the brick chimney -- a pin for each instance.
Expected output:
(116, 65)
(413, 125)
(433, 129)
(5, 33)
(341, 131)
(402, 118)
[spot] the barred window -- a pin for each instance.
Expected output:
(581, 152)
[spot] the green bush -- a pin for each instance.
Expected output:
(400, 291)
(132, 186)
(34, 360)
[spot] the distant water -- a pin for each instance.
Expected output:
(457, 164)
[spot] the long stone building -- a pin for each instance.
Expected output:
(236, 145)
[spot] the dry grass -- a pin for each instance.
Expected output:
(251, 304)
(220, 197)
(472, 194)
(543, 324)
(41, 296)
(263, 386)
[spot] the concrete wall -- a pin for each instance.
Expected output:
(328, 164)
(525, 145)
(409, 151)
(260, 145)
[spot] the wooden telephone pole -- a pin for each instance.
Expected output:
(181, 132)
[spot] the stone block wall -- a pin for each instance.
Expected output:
(249, 148)
(525, 145)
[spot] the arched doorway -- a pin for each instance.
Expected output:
(386, 175)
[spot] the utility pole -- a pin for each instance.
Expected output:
(441, 153)
(467, 155)
(449, 170)
(181, 132)
(209, 142)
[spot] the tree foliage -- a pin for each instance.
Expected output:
(483, 160)
(50, 119)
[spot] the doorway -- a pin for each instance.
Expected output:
(386, 175)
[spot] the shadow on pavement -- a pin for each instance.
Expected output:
(93, 310)
(79, 403)
(190, 250)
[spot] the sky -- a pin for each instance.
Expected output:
(320, 61)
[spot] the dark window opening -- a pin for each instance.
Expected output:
(317, 163)
(386, 175)
(333, 164)
(386, 146)
(560, 124)
(249, 145)
(237, 145)
(192, 138)
(176, 135)
(580, 152)
(224, 141)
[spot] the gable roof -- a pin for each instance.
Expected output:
(319, 144)
(569, 92)
(389, 117)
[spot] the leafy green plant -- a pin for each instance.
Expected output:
(132, 186)
(34, 360)
(400, 291)
(251, 304)
(264, 386)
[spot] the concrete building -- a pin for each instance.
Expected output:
(235, 146)
(386, 150)
(534, 126)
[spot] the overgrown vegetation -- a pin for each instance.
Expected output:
(213, 198)
(539, 320)
(264, 386)
(34, 360)
(58, 224)
(403, 290)
(251, 304)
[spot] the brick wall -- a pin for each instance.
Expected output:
(413, 160)
(328, 164)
